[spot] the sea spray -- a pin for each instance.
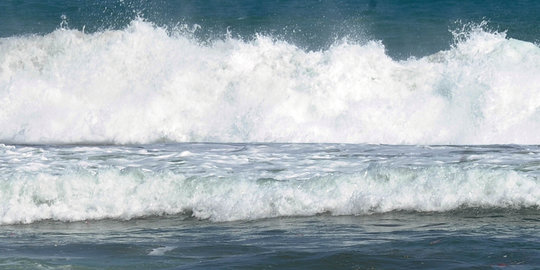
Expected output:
(144, 84)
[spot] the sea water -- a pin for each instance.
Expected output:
(224, 134)
(246, 205)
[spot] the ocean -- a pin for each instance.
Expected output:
(269, 134)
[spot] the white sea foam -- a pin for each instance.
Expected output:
(160, 251)
(82, 195)
(143, 84)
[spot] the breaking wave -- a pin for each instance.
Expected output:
(125, 194)
(145, 84)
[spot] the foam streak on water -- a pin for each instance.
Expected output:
(144, 84)
(223, 182)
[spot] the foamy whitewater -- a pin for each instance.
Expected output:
(146, 84)
(224, 182)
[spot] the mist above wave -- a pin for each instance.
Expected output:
(145, 84)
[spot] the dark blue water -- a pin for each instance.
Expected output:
(406, 28)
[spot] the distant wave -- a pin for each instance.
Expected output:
(83, 195)
(145, 84)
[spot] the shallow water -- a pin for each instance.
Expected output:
(460, 239)
(200, 205)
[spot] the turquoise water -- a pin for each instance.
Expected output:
(274, 134)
